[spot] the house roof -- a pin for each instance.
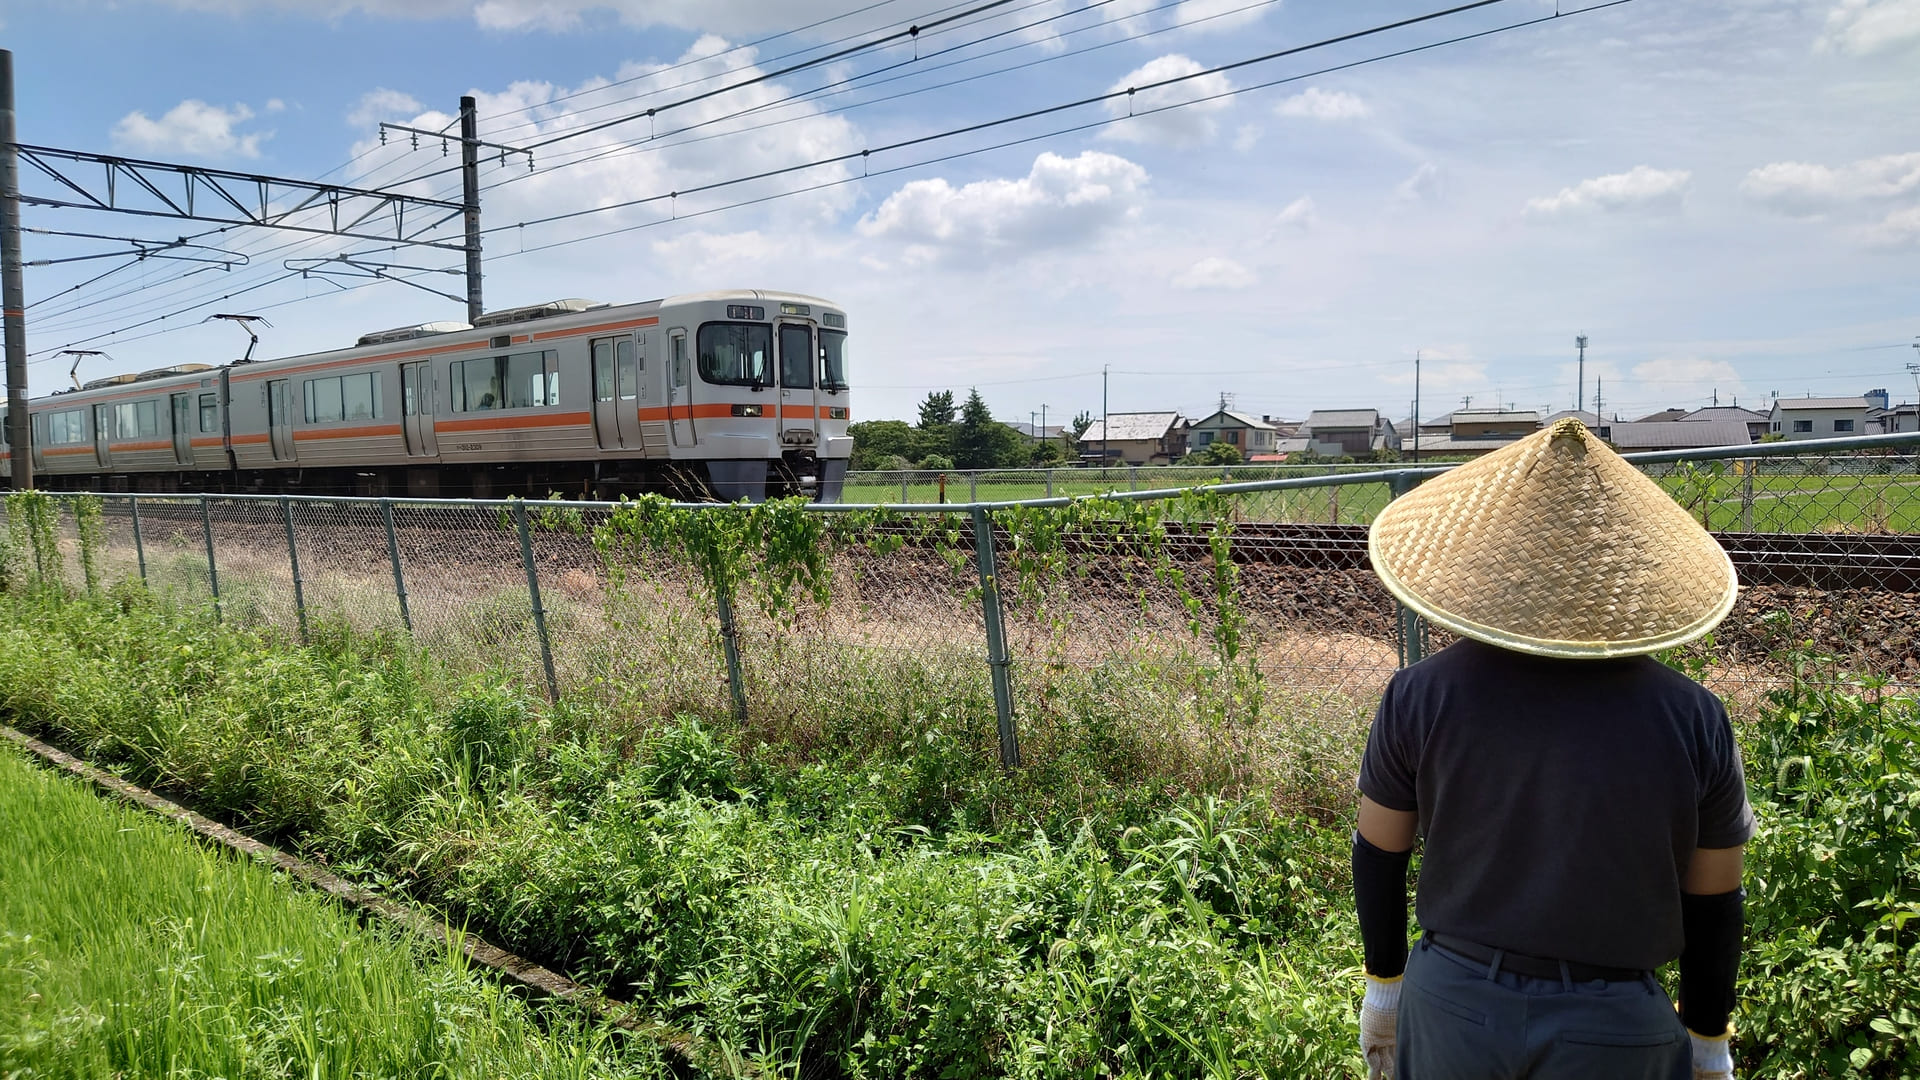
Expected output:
(1725, 412)
(1590, 419)
(1820, 403)
(1341, 418)
(1131, 427)
(1291, 446)
(1447, 444)
(1494, 416)
(1661, 417)
(1231, 418)
(1678, 434)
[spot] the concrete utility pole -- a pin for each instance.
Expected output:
(1103, 418)
(1416, 404)
(470, 195)
(1596, 399)
(1580, 342)
(13, 295)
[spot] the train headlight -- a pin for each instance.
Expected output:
(837, 413)
(746, 410)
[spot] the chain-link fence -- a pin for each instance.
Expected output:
(1203, 622)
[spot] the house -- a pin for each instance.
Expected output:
(1676, 434)
(1248, 434)
(1664, 416)
(1493, 423)
(1818, 418)
(1333, 432)
(1143, 438)
(1756, 421)
(1037, 431)
(1594, 421)
(1892, 419)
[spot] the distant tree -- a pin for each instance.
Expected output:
(1080, 425)
(937, 463)
(978, 442)
(1046, 452)
(874, 440)
(937, 412)
(1219, 453)
(892, 463)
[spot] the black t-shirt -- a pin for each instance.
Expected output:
(1560, 800)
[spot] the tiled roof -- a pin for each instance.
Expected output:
(1319, 419)
(1821, 403)
(1132, 427)
(1240, 418)
(1725, 412)
(1495, 416)
(1590, 419)
(1678, 434)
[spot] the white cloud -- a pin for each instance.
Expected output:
(551, 15)
(1859, 27)
(1216, 15)
(1639, 188)
(1214, 273)
(1321, 104)
(192, 128)
(1060, 203)
(1687, 378)
(384, 104)
(1422, 185)
(1299, 215)
(1899, 230)
(275, 105)
(1184, 126)
(1799, 188)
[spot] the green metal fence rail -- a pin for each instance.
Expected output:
(1268, 611)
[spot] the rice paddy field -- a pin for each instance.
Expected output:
(1802, 501)
(129, 950)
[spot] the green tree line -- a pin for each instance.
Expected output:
(962, 436)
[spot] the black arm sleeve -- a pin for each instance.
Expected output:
(1380, 898)
(1710, 959)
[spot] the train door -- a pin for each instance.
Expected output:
(279, 419)
(102, 432)
(616, 394)
(39, 441)
(416, 408)
(183, 428)
(798, 416)
(680, 390)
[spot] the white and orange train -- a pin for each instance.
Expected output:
(734, 395)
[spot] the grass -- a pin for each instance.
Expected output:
(863, 892)
(128, 950)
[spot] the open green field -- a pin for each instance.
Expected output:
(1871, 503)
(873, 896)
(128, 950)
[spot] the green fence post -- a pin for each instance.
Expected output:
(1746, 493)
(213, 566)
(533, 591)
(400, 580)
(293, 557)
(1413, 628)
(139, 545)
(997, 658)
(730, 644)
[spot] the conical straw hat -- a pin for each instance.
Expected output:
(1556, 546)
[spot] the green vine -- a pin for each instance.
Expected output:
(32, 525)
(774, 544)
(93, 538)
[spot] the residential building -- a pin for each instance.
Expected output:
(1757, 422)
(1037, 431)
(1664, 416)
(1890, 420)
(1818, 418)
(1493, 423)
(1355, 432)
(1144, 438)
(1248, 434)
(1594, 421)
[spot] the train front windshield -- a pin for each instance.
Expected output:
(833, 360)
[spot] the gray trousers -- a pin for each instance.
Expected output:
(1461, 1020)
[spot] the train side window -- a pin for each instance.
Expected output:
(476, 384)
(209, 412)
(679, 360)
(360, 396)
(132, 419)
(603, 371)
(629, 370)
(322, 400)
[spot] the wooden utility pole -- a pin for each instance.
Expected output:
(13, 296)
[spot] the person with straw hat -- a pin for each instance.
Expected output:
(1582, 806)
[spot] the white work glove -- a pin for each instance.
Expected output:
(1712, 1058)
(1379, 1014)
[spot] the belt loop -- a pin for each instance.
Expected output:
(1566, 977)
(1493, 969)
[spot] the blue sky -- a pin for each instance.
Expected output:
(1723, 194)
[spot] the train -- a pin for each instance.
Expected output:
(724, 395)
